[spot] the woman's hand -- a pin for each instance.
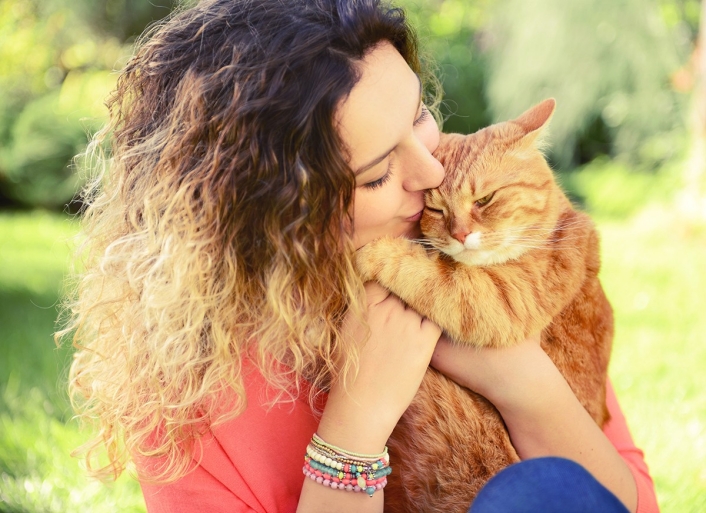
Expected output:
(495, 374)
(541, 412)
(361, 414)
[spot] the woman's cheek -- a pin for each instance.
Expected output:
(375, 215)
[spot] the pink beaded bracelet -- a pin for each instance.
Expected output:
(334, 483)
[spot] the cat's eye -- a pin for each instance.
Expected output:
(485, 200)
(434, 211)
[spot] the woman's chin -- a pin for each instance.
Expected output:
(414, 232)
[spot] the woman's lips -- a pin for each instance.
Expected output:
(416, 217)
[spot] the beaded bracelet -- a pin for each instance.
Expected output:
(316, 439)
(370, 488)
(365, 481)
(349, 473)
(338, 462)
(340, 469)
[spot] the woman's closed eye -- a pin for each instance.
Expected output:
(422, 117)
(380, 181)
(425, 114)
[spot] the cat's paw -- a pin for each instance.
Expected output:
(371, 258)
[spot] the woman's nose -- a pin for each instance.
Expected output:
(423, 170)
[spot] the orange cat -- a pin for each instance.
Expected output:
(510, 258)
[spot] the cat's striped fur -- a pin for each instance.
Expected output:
(510, 257)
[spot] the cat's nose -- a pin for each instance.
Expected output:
(460, 236)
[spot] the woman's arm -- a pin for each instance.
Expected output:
(543, 416)
(360, 415)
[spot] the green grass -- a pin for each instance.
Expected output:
(653, 272)
(36, 432)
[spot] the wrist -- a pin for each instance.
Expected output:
(507, 377)
(353, 425)
(525, 382)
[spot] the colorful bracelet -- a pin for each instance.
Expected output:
(316, 439)
(368, 483)
(333, 466)
(339, 462)
(346, 473)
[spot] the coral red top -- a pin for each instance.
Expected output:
(253, 462)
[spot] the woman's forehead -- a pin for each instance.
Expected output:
(380, 107)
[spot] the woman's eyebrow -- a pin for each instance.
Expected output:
(382, 157)
(373, 163)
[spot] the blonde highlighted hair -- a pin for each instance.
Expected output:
(218, 226)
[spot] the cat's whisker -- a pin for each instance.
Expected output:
(548, 248)
(549, 236)
(562, 225)
(549, 240)
(532, 231)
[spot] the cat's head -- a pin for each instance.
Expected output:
(499, 198)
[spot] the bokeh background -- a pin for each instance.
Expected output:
(628, 142)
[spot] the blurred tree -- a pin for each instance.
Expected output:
(682, 16)
(56, 63)
(451, 32)
(608, 64)
(495, 58)
(693, 199)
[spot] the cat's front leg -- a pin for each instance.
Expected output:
(382, 257)
(419, 278)
(471, 304)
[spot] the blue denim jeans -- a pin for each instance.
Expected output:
(545, 485)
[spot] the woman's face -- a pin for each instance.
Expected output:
(390, 136)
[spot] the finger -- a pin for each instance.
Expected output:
(429, 325)
(375, 293)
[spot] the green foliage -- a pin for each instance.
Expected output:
(123, 19)
(611, 190)
(45, 136)
(56, 65)
(608, 64)
(683, 16)
(33, 257)
(450, 32)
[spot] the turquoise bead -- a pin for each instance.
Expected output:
(370, 490)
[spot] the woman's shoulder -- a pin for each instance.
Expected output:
(238, 460)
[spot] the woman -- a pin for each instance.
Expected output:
(255, 145)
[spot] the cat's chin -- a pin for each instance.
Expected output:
(484, 257)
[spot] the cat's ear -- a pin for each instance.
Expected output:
(534, 120)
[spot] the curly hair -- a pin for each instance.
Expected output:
(218, 225)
